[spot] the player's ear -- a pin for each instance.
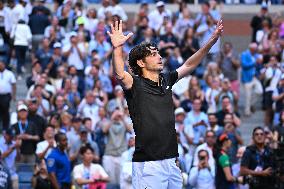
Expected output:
(141, 63)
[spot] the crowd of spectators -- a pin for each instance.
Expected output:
(74, 124)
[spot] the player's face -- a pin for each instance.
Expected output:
(153, 62)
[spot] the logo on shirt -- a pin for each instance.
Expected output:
(167, 87)
(50, 162)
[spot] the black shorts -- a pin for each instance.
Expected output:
(268, 100)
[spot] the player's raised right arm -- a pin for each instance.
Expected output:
(118, 39)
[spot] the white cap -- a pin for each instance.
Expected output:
(66, 1)
(118, 88)
(73, 34)
(160, 3)
(57, 45)
(179, 110)
(22, 107)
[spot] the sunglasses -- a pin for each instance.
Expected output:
(210, 136)
(258, 134)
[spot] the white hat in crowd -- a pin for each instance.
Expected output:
(160, 4)
(179, 110)
(22, 107)
(57, 45)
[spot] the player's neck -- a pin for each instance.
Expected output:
(154, 76)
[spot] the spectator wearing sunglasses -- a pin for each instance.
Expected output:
(257, 161)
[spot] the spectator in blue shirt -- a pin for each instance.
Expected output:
(58, 164)
(44, 55)
(249, 59)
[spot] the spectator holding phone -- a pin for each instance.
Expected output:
(202, 176)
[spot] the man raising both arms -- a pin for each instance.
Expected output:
(149, 97)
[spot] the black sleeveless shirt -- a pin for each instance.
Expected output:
(152, 112)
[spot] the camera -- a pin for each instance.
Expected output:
(250, 180)
(278, 155)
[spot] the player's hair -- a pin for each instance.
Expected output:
(140, 52)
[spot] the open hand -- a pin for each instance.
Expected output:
(219, 29)
(117, 37)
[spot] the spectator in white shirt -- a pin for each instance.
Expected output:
(116, 9)
(89, 108)
(89, 174)
(104, 9)
(156, 17)
(5, 23)
(21, 33)
(44, 148)
(7, 92)
(202, 176)
(18, 12)
(75, 53)
(272, 76)
(185, 133)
